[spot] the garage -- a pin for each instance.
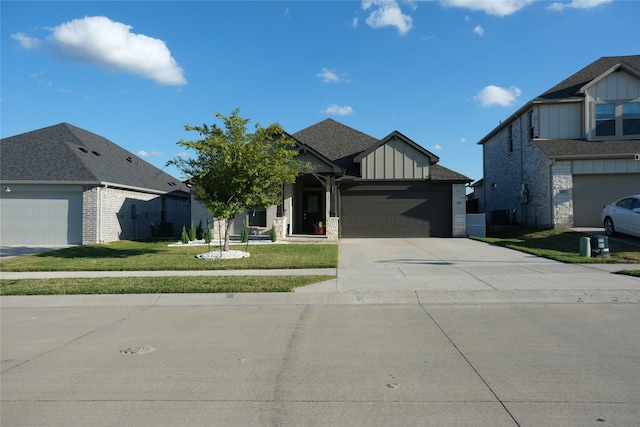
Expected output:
(38, 218)
(591, 192)
(420, 209)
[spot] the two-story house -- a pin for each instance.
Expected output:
(557, 160)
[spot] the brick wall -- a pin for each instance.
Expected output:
(506, 171)
(107, 214)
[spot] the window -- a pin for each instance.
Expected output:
(532, 124)
(605, 119)
(258, 217)
(631, 118)
(510, 138)
(617, 119)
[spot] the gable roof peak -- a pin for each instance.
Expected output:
(572, 85)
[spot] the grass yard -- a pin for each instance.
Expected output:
(563, 245)
(153, 256)
(157, 285)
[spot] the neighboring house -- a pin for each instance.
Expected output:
(563, 155)
(62, 185)
(364, 187)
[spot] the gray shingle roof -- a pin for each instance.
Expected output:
(337, 142)
(440, 173)
(65, 153)
(570, 87)
(342, 144)
(579, 148)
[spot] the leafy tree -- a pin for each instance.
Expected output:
(235, 171)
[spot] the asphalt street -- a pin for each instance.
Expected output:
(412, 332)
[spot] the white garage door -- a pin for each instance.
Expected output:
(40, 218)
(591, 192)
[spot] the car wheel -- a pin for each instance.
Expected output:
(609, 229)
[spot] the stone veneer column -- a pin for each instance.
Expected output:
(332, 228)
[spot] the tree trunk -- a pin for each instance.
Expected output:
(227, 234)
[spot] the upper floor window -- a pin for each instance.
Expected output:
(532, 124)
(605, 119)
(631, 118)
(617, 119)
(510, 138)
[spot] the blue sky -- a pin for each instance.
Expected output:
(443, 73)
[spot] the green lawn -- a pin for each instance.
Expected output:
(144, 256)
(562, 245)
(157, 285)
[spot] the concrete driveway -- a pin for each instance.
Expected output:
(462, 265)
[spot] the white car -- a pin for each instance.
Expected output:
(622, 216)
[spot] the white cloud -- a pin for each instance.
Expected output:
(338, 110)
(355, 23)
(490, 7)
(494, 95)
(153, 153)
(26, 41)
(577, 4)
(330, 76)
(387, 13)
(479, 30)
(463, 140)
(183, 155)
(111, 45)
(437, 147)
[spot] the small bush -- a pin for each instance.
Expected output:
(244, 234)
(199, 231)
(192, 233)
(184, 237)
(274, 235)
(207, 235)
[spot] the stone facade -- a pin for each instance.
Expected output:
(332, 227)
(562, 194)
(459, 210)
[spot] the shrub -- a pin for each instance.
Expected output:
(192, 233)
(244, 234)
(207, 235)
(199, 231)
(274, 235)
(184, 237)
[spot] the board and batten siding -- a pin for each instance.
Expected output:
(395, 160)
(560, 121)
(615, 87)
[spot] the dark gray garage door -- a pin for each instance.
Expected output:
(591, 192)
(396, 210)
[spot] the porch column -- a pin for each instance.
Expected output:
(287, 209)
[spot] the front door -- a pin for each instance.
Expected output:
(312, 210)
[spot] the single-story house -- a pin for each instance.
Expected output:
(363, 187)
(62, 185)
(557, 160)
